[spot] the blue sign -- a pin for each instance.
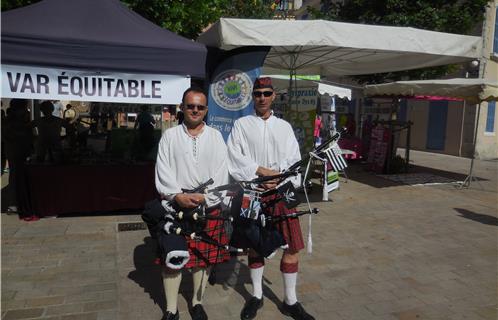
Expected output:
(230, 90)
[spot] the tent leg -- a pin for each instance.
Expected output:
(470, 177)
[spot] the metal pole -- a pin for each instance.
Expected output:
(470, 177)
(462, 128)
(407, 150)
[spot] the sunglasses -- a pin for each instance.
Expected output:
(258, 94)
(199, 107)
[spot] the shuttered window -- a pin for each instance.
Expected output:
(490, 119)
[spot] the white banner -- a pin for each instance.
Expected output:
(64, 84)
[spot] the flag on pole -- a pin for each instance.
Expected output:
(334, 155)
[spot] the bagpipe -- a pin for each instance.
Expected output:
(170, 225)
(254, 210)
(249, 214)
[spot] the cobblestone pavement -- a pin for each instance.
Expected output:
(381, 251)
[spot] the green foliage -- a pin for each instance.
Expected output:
(439, 15)
(13, 4)
(255, 9)
(188, 17)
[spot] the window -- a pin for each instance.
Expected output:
(490, 118)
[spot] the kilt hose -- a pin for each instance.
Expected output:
(203, 254)
(290, 227)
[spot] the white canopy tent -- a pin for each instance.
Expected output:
(473, 91)
(332, 49)
(336, 48)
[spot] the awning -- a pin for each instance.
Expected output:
(336, 48)
(471, 90)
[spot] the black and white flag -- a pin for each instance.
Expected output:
(334, 155)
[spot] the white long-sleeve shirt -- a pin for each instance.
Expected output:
(184, 161)
(255, 142)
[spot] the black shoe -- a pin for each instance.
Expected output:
(251, 307)
(170, 316)
(296, 311)
(198, 313)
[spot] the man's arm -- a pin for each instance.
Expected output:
(166, 184)
(293, 154)
(240, 166)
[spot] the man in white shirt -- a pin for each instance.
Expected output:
(264, 145)
(189, 155)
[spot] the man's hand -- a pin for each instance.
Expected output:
(189, 200)
(265, 172)
(272, 184)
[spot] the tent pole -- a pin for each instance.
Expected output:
(470, 177)
(292, 77)
(462, 128)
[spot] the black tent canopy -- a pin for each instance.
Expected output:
(98, 35)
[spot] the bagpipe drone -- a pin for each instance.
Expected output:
(248, 214)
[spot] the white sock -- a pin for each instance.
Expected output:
(290, 280)
(200, 278)
(257, 281)
(171, 281)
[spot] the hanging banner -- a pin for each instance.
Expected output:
(230, 90)
(79, 85)
(301, 115)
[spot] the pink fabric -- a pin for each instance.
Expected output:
(354, 144)
(432, 98)
(318, 126)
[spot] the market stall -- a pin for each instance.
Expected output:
(331, 49)
(473, 91)
(94, 51)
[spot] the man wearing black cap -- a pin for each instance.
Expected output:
(264, 145)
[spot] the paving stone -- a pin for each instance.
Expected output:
(23, 314)
(80, 316)
(64, 309)
(13, 304)
(101, 305)
(108, 315)
(45, 301)
(410, 315)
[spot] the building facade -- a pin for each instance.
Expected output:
(487, 140)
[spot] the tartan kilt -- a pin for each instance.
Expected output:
(289, 228)
(203, 254)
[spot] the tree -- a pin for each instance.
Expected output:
(451, 16)
(187, 18)
(13, 4)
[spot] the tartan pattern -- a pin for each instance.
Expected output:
(203, 254)
(290, 228)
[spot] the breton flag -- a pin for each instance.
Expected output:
(334, 155)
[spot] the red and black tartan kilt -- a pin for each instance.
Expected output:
(290, 228)
(203, 254)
